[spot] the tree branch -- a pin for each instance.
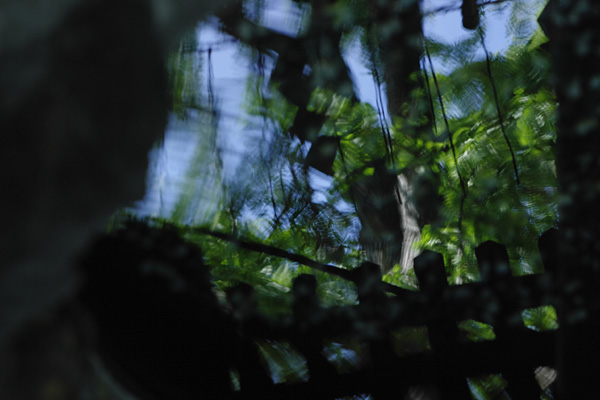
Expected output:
(348, 275)
(274, 251)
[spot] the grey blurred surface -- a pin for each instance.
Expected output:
(83, 97)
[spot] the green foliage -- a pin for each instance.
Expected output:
(496, 208)
(477, 331)
(541, 318)
(488, 387)
(285, 364)
(273, 197)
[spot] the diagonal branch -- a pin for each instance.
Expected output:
(348, 275)
(500, 119)
(274, 251)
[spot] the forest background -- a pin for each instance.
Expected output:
(446, 158)
(270, 194)
(308, 168)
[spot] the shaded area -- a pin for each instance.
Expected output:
(165, 285)
(150, 296)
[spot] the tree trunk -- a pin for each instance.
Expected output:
(397, 26)
(574, 33)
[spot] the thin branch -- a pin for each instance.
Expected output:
(460, 178)
(287, 197)
(214, 111)
(387, 137)
(274, 251)
(273, 203)
(347, 172)
(429, 98)
(211, 75)
(500, 119)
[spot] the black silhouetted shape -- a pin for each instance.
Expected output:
(160, 330)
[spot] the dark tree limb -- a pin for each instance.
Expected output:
(348, 275)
